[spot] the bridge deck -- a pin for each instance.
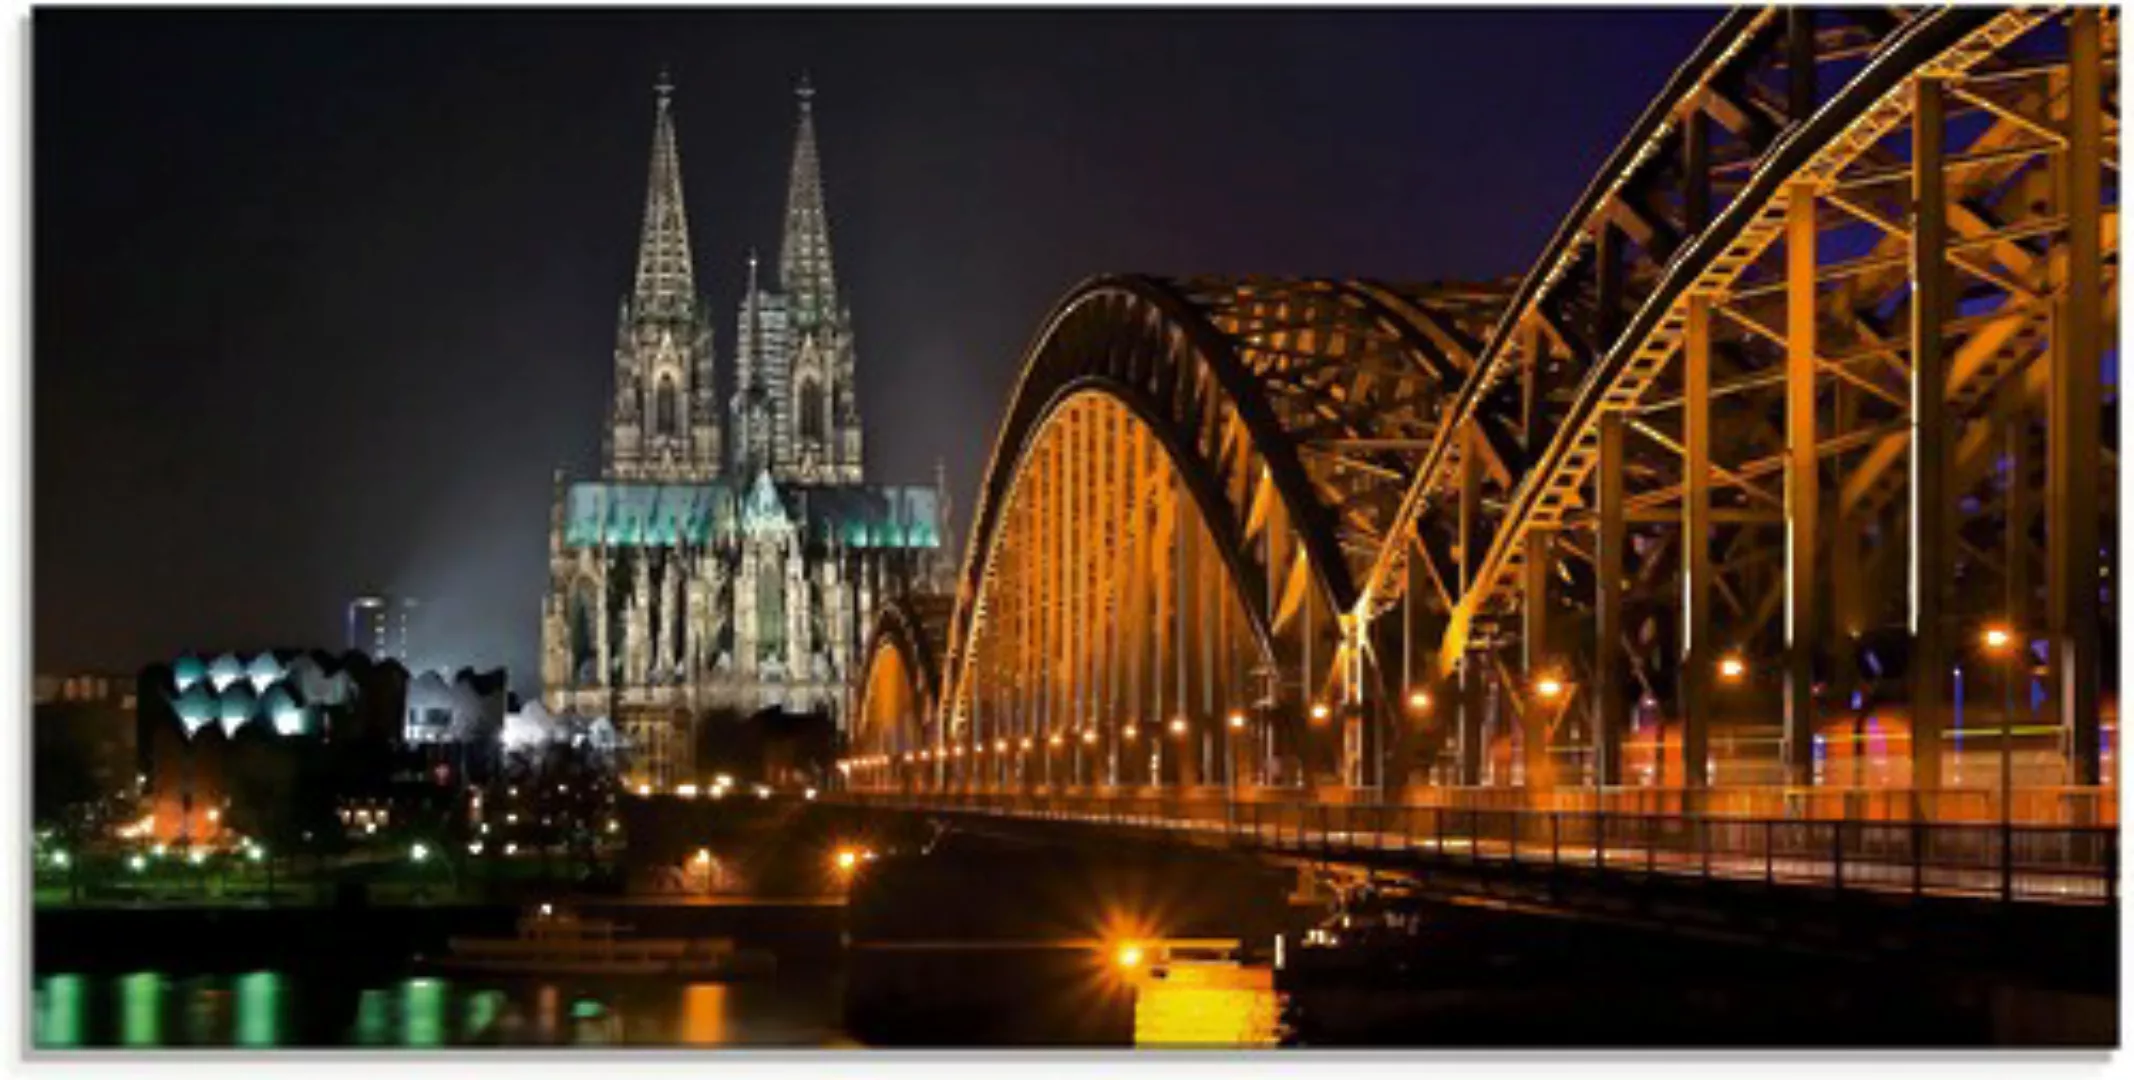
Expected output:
(2015, 863)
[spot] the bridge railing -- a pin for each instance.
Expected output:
(2059, 863)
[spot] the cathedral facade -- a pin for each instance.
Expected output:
(727, 560)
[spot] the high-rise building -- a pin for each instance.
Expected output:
(383, 626)
(696, 575)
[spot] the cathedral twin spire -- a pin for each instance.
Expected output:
(795, 411)
(804, 269)
(666, 276)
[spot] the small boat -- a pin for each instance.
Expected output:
(552, 942)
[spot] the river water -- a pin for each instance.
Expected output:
(267, 1009)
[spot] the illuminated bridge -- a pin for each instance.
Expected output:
(1764, 527)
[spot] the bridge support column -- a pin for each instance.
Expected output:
(1930, 566)
(1698, 654)
(1610, 712)
(1537, 713)
(2073, 456)
(1802, 489)
(1473, 700)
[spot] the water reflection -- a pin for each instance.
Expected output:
(267, 1009)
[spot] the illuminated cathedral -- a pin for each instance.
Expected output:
(727, 561)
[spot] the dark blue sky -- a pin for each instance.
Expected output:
(321, 299)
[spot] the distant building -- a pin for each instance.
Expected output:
(202, 720)
(384, 627)
(83, 737)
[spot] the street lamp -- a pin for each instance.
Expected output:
(1732, 668)
(2000, 644)
(1419, 701)
(1548, 687)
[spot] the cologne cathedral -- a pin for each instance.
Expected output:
(727, 560)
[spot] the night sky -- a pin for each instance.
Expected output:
(322, 299)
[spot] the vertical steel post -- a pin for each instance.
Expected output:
(1611, 697)
(1802, 489)
(2074, 456)
(1534, 606)
(1930, 567)
(1698, 656)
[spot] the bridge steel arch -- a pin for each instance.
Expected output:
(1824, 219)
(1217, 457)
(1664, 515)
(900, 682)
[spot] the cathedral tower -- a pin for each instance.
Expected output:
(664, 424)
(796, 413)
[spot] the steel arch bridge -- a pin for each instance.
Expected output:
(1661, 520)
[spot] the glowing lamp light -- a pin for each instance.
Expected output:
(703, 857)
(1237, 721)
(1549, 688)
(196, 856)
(644, 789)
(59, 859)
(420, 852)
(1999, 638)
(1128, 957)
(474, 847)
(1089, 736)
(1419, 701)
(809, 794)
(255, 853)
(1028, 742)
(1130, 732)
(1055, 740)
(511, 849)
(1732, 668)
(1178, 726)
(136, 863)
(1000, 746)
(1320, 711)
(847, 859)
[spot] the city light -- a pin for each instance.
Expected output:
(1419, 701)
(1055, 740)
(1320, 711)
(1027, 742)
(644, 789)
(196, 856)
(1128, 956)
(1178, 726)
(511, 849)
(420, 852)
(687, 791)
(255, 854)
(59, 859)
(1237, 721)
(847, 859)
(474, 847)
(702, 857)
(1089, 736)
(1732, 668)
(809, 794)
(1999, 638)
(1000, 746)
(1130, 732)
(136, 863)
(1548, 688)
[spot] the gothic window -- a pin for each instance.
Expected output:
(811, 410)
(770, 612)
(663, 409)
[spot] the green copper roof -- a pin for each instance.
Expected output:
(622, 514)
